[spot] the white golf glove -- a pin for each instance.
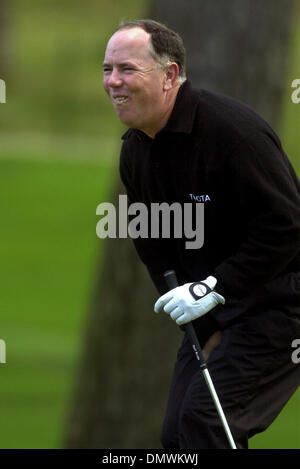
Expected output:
(189, 301)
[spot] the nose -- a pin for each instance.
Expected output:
(114, 79)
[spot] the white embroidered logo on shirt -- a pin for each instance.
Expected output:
(200, 198)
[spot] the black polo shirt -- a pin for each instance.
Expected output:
(217, 151)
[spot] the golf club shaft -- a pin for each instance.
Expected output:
(218, 406)
(171, 280)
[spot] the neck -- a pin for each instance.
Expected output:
(165, 114)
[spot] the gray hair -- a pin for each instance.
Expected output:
(167, 45)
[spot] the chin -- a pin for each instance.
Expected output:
(129, 122)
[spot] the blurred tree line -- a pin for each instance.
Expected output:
(3, 21)
(238, 48)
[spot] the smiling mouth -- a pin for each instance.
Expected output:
(120, 99)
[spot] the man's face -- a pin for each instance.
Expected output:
(134, 81)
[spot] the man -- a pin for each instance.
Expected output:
(183, 143)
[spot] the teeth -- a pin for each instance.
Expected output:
(119, 99)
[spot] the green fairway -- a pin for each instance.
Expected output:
(49, 251)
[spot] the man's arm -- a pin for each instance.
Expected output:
(152, 252)
(268, 190)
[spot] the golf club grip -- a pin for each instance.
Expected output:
(172, 282)
(171, 279)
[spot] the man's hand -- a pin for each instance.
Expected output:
(189, 301)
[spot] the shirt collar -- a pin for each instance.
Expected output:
(182, 115)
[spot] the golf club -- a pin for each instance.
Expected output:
(171, 280)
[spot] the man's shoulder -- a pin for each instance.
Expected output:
(231, 119)
(227, 109)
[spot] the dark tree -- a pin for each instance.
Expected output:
(236, 47)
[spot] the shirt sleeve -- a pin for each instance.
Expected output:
(152, 252)
(267, 189)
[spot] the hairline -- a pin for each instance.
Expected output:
(162, 60)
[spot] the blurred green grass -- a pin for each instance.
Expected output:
(58, 157)
(48, 251)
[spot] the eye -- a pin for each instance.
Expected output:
(128, 69)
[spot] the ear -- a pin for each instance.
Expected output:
(171, 75)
